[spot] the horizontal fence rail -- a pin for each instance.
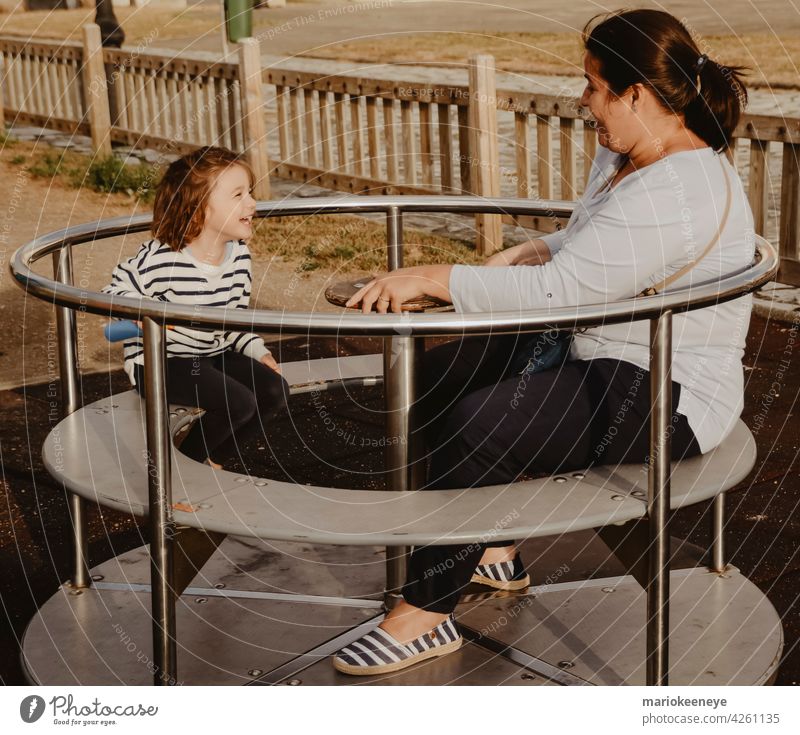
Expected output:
(362, 135)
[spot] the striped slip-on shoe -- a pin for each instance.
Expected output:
(377, 652)
(504, 575)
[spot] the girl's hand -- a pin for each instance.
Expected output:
(269, 361)
(393, 289)
(533, 252)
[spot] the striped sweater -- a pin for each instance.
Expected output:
(160, 273)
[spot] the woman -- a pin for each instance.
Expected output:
(662, 200)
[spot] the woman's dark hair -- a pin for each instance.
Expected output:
(654, 48)
(179, 210)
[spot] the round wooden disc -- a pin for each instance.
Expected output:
(340, 292)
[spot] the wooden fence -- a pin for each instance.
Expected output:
(142, 99)
(361, 134)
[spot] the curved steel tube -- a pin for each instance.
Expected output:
(387, 325)
(403, 332)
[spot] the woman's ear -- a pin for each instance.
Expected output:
(635, 92)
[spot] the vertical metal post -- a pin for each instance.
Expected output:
(394, 238)
(71, 402)
(400, 362)
(658, 497)
(718, 563)
(162, 526)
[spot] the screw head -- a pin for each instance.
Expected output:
(618, 497)
(528, 677)
(608, 589)
(565, 664)
(219, 586)
(559, 479)
(255, 672)
(97, 578)
(578, 475)
(294, 682)
(201, 600)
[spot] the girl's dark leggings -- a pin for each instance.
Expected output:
(239, 396)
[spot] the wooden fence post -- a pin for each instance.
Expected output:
(789, 228)
(484, 158)
(95, 90)
(253, 123)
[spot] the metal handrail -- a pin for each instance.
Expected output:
(401, 332)
(351, 323)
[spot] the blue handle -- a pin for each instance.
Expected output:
(116, 331)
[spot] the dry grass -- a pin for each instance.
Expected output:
(141, 25)
(773, 61)
(349, 244)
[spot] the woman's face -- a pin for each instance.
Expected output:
(617, 124)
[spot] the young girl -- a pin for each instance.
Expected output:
(202, 217)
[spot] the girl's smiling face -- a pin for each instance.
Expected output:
(617, 126)
(230, 207)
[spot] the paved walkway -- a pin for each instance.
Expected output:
(305, 26)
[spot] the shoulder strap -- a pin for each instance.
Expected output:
(656, 288)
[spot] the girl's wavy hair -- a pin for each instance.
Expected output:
(654, 48)
(179, 210)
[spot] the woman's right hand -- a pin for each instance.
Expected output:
(533, 252)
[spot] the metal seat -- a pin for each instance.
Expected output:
(99, 452)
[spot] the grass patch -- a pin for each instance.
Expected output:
(349, 244)
(774, 61)
(112, 175)
(108, 175)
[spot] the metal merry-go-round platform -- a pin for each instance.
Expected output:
(203, 604)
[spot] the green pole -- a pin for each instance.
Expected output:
(238, 19)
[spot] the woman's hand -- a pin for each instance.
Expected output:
(269, 361)
(533, 252)
(392, 290)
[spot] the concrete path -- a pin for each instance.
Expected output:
(304, 26)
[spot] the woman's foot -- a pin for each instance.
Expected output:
(497, 554)
(501, 568)
(379, 652)
(406, 622)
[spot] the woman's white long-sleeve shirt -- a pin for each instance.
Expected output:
(621, 240)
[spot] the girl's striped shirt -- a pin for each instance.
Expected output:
(161, 273)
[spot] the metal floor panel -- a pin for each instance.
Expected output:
(723, 630)
(726, 631)
(470, 665)
(103, 637)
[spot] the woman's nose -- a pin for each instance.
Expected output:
(585, 98)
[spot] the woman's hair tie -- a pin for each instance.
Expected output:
(701, 62)
(698, 67)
